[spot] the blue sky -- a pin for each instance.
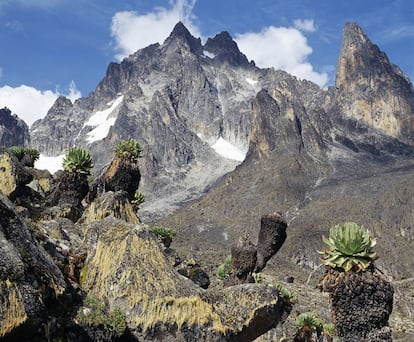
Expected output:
(52, 47)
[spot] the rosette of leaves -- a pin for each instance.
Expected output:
(138, 199)
(350, 248)
(78, 160)
(26, 155)
(288, 296)
(130, 149)
(224, 270)
(309, 324)
(164, 234)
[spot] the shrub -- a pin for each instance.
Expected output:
(138, 199)
(163, 232)
(94, 313)
(288, 296)
(17, 151)
(26, 155)
(130, 149)
(350, 247)
(78, 160)
(224, 270)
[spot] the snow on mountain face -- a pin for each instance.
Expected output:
(102, 121)
(228, 150)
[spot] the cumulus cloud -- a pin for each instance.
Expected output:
(31, 104)
(132, 31)
(283, 48)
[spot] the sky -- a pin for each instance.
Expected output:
(63, 47)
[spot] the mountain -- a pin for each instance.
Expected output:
(13, 131)
(240, 141)
(321, 157)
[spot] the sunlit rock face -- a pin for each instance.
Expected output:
(371, 89)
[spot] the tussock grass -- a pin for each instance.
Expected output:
(12, 311)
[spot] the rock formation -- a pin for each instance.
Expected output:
(13, 131)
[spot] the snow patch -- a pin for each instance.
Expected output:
(102, 122)
(52, 164)
(208, 54)
(228, 150)
(251, 81)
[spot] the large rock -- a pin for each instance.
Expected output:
(13, 131)
(13, 176)
(371, 89)
(31, 285)
(126, 268)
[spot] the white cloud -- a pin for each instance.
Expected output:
(283, 48)
(31, 104)
(306, 25)
(133, 31)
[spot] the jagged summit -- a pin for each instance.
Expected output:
(181, 33)
(225, 49)
(371, 89)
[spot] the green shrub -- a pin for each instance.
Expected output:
(17, 151)
(350, 247)
(139, 198)
(163, 232)
(130, 149)
(311, 322)
(224, 270)
(27, 155)
(79, 160)
(93, 313)
(288, 296)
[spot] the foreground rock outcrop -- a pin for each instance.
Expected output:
(126, 268)
(32, 287)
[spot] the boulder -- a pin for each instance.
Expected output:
(126, 268)
(30, 283)
(13, 176)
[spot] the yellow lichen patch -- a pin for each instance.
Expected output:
(239, 308)
(7, 180)
(182, 311)
(132, 273)
(44, 184)
(12, 310)
(119, 209)
(127, 266)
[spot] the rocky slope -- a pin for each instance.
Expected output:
(13, 131)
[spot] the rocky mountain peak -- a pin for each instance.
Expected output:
(13, 130)
(225, 49)
(180, 33)
(371, 89)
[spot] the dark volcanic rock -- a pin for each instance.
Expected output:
(13, 131)
(30, 283)
(272, 235)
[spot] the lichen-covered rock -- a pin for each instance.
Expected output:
(30, 282)
(126, 268)
(13, 176)
(111, 203)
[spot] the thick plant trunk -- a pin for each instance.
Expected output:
(361, 304)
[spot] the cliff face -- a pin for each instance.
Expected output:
(372, 90)
(13, 131)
